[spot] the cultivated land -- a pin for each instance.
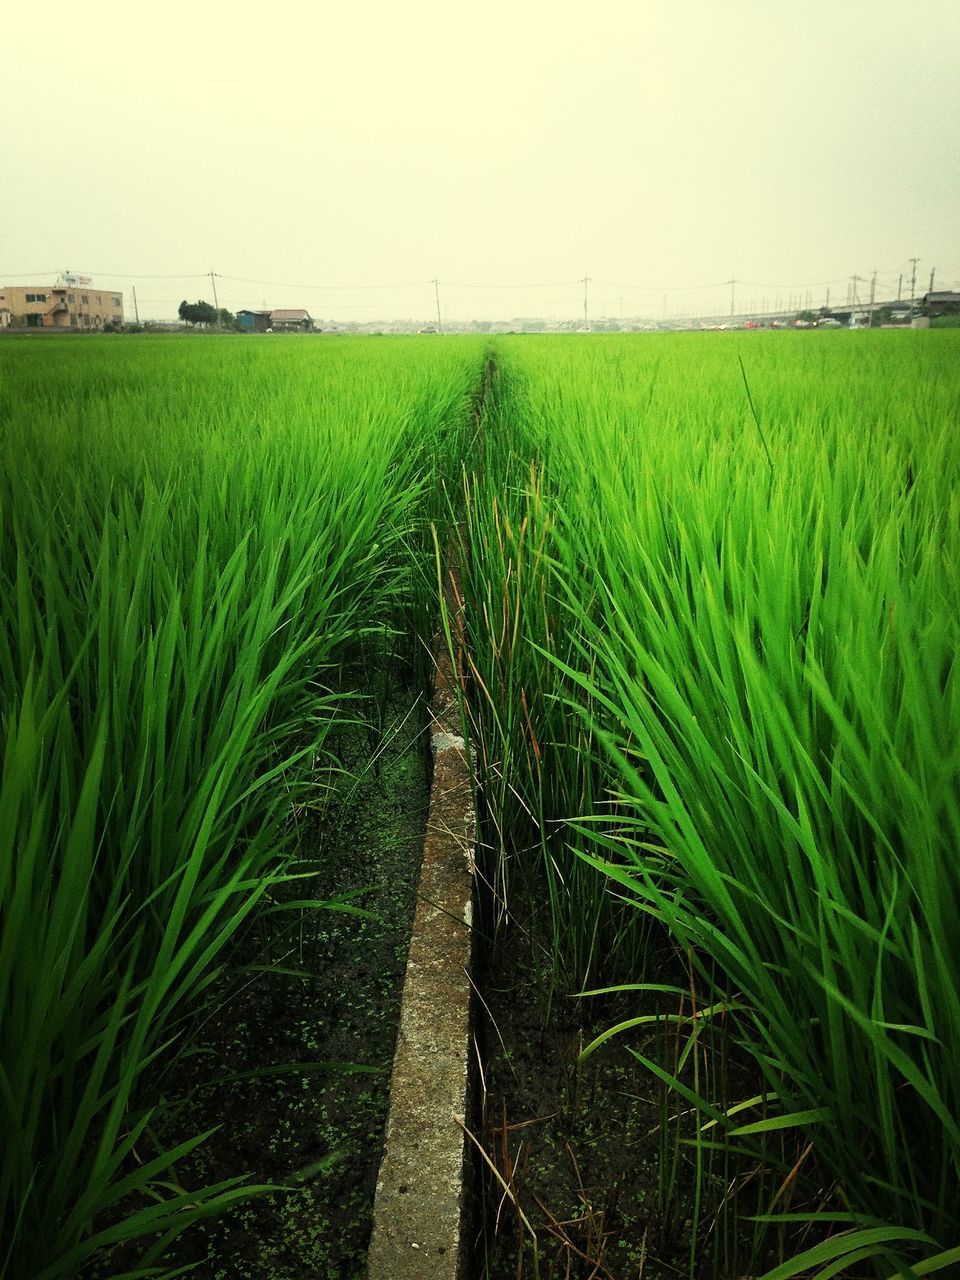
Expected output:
(209, 551)
(712, 597)
(715, 647)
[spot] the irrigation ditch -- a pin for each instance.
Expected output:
(585, 1159)
(508, 1152)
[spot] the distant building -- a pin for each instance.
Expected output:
(291, 319)
(65, 305)
(253, 321)
(283, 321)
(945, 302)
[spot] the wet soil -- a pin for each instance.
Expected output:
(574, 1143)
(293, 1061)
(590, 1167)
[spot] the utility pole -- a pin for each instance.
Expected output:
(930, 290)
(136, 313)
(436, 290)
(873, 294)
(913, 279)
(733, 286)
(586, 319)
(900, 286)
(215, 302)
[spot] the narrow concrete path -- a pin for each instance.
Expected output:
(418, 1210)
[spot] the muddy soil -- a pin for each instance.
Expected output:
(575, 1146)
(590, 1167)
(293, 1061)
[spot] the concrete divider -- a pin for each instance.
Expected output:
(420, 1198)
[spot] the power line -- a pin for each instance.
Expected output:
(140, 275)
(490, 285)
(801, 284)
(230, 298)
(556, 284)
(662, 288)
(281, 284)
(34, 274)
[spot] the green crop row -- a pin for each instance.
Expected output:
(712, 590)
(196, 541)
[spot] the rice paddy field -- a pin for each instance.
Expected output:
(204, 550)
(711, 589)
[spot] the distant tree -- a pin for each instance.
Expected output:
(198, 312)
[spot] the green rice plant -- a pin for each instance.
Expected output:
(197, 542)
(537, 767)
(759, 608)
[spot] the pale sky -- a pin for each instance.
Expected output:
(506, 148)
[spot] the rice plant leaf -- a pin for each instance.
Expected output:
(794, 1120)
(842, 1246)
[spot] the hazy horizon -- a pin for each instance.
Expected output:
(343, 160)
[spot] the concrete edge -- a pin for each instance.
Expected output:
(420, 1199)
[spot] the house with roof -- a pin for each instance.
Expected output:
(942, 302)
(282, 320)
(293, 319)
(253, 321)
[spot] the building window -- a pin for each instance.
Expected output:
(118, 302)
(31, 297)
(84, 298)
(70, 297)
